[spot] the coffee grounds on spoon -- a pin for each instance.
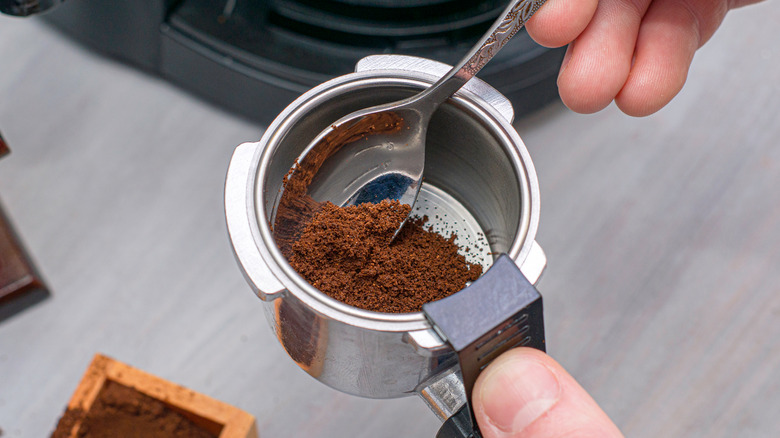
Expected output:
(346, 253)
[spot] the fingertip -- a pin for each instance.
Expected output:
(527, 393)
(665, 48)
(639, 102)
(559, 22)
(514, 391)
(584, 85)
(599, 59)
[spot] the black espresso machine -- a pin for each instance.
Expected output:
(255, 56)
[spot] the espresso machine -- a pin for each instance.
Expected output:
(254, 57)
(24, 8)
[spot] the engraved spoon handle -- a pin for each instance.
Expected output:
(511, 21)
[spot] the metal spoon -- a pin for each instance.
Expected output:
(379, 153)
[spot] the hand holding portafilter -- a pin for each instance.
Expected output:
(500, 311)
(526, 394)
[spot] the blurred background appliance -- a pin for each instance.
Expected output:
(23, 8)
(255, 56)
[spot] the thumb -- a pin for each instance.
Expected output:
(526, 394)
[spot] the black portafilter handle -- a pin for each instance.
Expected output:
(500, 311)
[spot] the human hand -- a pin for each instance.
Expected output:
(635, 52)
(526, 394)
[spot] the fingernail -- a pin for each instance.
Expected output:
(516, 392)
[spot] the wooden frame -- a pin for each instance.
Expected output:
(210, 414)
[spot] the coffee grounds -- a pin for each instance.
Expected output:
(296, 208)
(120, 411)
(345, 253)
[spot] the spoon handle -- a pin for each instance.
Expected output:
(512, 20)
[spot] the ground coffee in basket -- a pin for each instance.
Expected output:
(346, 253)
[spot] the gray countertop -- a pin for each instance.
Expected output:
(662, 235)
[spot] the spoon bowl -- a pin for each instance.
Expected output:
(371, 155)
(378, 153)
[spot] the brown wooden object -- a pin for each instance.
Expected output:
(212, 415)
(17, 275)
(20, 285)
(3, 147)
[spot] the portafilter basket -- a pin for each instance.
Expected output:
(479, 183)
